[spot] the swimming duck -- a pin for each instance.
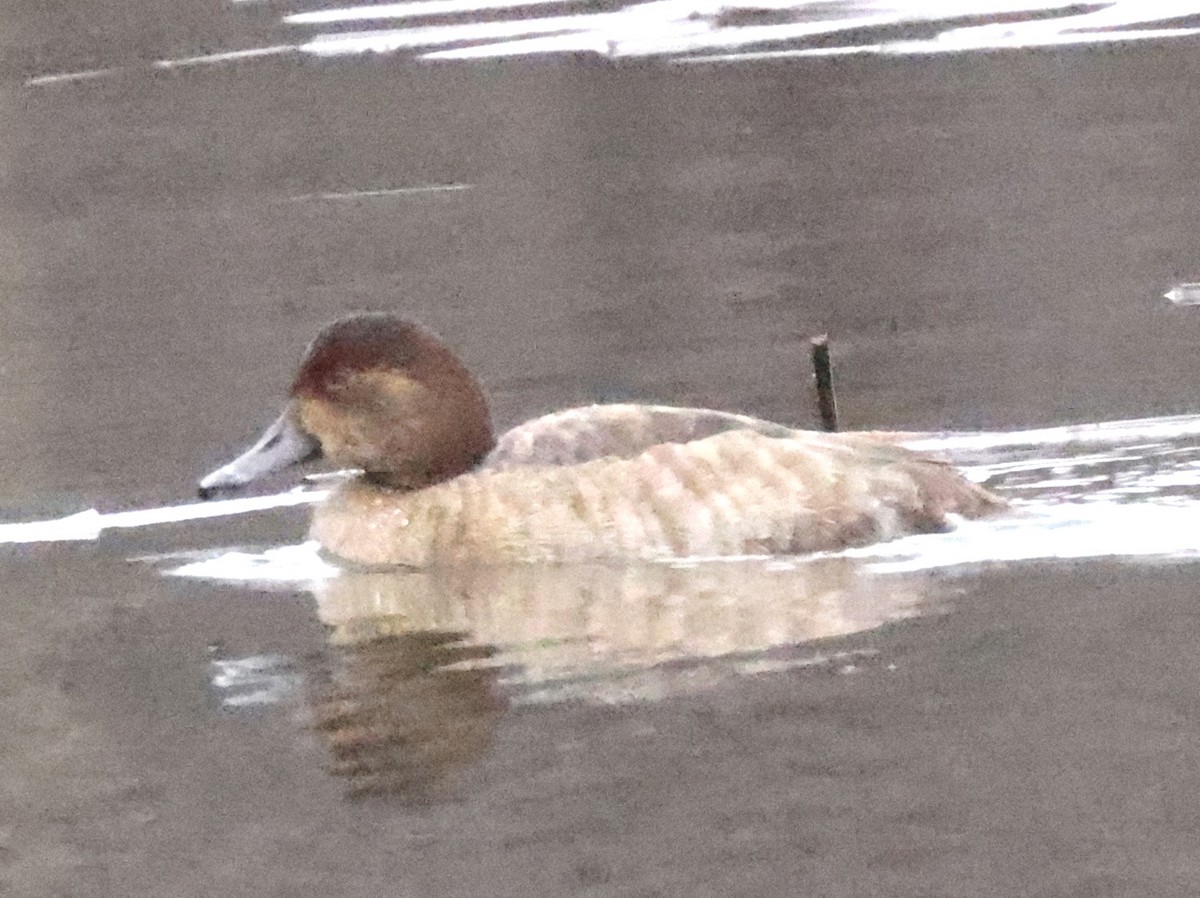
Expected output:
(384, 395)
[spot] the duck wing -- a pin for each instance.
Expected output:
(625, 430)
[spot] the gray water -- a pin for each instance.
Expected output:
(986, 238)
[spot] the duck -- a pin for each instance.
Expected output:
(381, 394)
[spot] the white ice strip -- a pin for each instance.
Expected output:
(1060, 483)
(385, 41)
(82, 526)
(1148, 475)
(1166, 471)
(1056, 464)
(658, 27)
(1116, 15)
(938, 46)
(406, 10)
(843, 660)
(577, 42)
(670, 27)
(382, 193)
(680, 41)
(1171, 479)
(1112, 432)
(212, 58)
(666, 27)
(183, 62)
(961, 42)
(90, 524)
(574, 42)
(1066, 531)
(271, 695)
(1184, 294)
(64, 77)
(228, 673)
(301, 563)
(676, 9)
(254, 681)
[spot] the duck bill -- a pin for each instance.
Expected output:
(282, 445)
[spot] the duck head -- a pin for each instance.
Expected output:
(376, 392)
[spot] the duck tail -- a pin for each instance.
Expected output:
(943, 490)
(924, 489)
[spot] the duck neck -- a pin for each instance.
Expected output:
(438, 468)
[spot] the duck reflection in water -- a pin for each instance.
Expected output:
(422, 666)
(399, 713)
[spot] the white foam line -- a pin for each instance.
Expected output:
(301, 563)
(1115, 15)
(1054, 39)
(664, 27)
(575, 42)
(1067, 531)
(1171, 427)
(957, 9)
(407, 10)
(1060, 483)
(937, 46)
(384, 41)
(676, 26)
(207, 59)
(618, 33)
(64, 77)
(391, 191)
(1171, 479)
(638, 45)
(212, 58)
(1056, 463)
(1184, 294)
(88, 525)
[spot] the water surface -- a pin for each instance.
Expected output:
(1005, 709)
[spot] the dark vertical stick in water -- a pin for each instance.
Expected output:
(823, 369)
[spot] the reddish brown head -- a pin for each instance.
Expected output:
(379, 393)
(384, 394)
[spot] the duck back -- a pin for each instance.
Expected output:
(621, 430)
